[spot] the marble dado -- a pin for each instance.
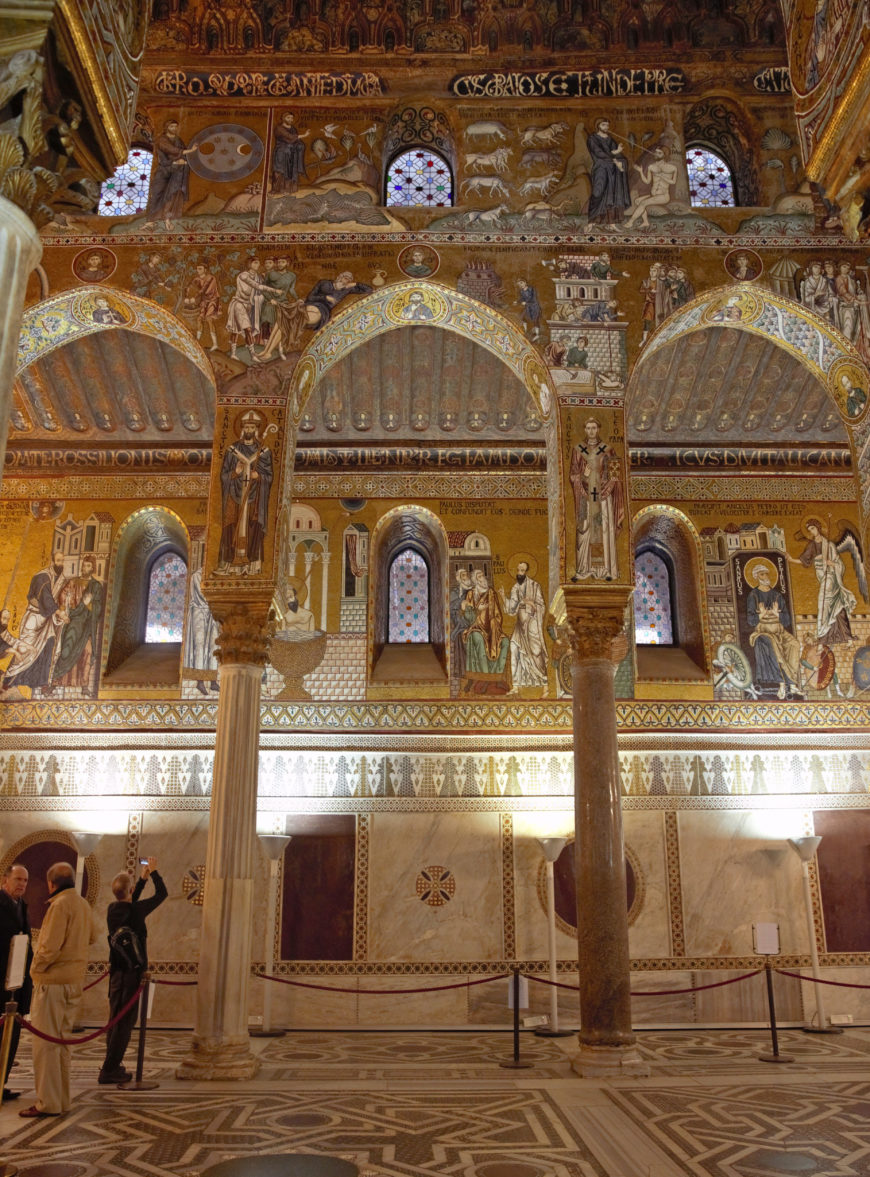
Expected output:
(293, 779)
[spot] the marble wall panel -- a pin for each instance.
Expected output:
(447, 1007)
(675, 1009)
(333, 1003)
(649, 933)
(530, 884)
(745, 1001)
(737, 870)
(178, 841)
(403, 925)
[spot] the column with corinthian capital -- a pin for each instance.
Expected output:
(221, 1046)
(20, 251)
(593, 618)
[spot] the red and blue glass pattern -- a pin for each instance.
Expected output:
(167, 585)
(409, 598)
(419, 177)
(126, 191)
(710, 182)
(652, 601)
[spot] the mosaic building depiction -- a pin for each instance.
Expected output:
(355, 426)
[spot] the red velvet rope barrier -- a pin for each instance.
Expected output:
(101, 977)
(661, 992)
(86, 1037)
(839, 984)
(157, 981)
(381, 992)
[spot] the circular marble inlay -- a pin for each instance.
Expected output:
(787, 1162)
(284, 1165)
(436, 885)
(304, 1120)
(54, 1169)
(508, 1169)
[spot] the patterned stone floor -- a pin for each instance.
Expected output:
(414, 1104)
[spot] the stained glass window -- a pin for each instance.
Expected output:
(419, 177)
(710, 182)
(164, 620)
(409, 598)
(127, 190)
(652, 601)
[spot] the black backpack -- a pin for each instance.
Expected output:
(126, 948)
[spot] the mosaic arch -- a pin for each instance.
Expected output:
(406, 303)
(89, 310)
(812, 340)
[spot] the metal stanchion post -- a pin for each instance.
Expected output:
(138, 1083)
(775, 1057)
(6, 1041)
(515, 1062)
(5, 1046)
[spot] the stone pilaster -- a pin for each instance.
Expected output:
(221, 1046)
(594, 617)
(20, 251)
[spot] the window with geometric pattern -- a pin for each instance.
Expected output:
(127, 190)
(419, 178)
(409, 598)
(167, 587)
(653, 622)
(711, 184)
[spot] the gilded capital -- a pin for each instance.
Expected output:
(591, 634)
(244, 636)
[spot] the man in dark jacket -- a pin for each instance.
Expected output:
(129, 911)
(13, 919)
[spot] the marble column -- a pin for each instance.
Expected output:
(595, 615)
(20, 251)
(221, 1046)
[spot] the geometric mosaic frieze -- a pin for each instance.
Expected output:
(336, 775)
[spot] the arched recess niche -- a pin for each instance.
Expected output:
(452, 312)
(668, 533)
(416, 528)
(742, 368)
(143, 538)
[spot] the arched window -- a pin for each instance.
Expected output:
(409, 598)
(419, 178)
(653, 622)
(711, 184)
(167, 582)
(127, 190)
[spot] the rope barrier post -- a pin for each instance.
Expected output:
(775, 1057)
(139, 1084)
(516, 1062)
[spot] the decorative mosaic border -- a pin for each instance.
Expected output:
(745, 488)
(554, 716)
(421, 485)
(509, 916)
(361, 893)
(675, 885)
(307, 780)
(131, 846)
(151, 486)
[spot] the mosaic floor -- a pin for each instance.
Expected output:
(416, 1105)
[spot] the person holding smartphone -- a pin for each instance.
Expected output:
(125, 971)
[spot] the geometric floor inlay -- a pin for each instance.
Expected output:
(417, 1104)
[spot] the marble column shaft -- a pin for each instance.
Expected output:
(221, 1044)
(607, 1043)
(20, 251)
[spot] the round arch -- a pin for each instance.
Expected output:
(409, 525)
(392, 308)
(89, 310)
(145, 535)
(813, 341)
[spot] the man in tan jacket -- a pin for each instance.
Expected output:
(57, 972)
